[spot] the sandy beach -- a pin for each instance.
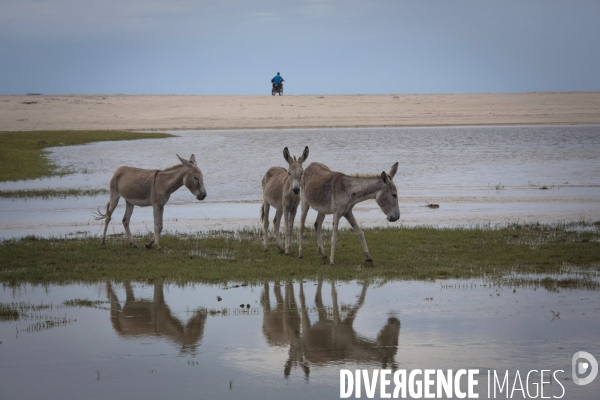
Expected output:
(187, 112)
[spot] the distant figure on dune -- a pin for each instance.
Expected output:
(277, 79)
(277, 82)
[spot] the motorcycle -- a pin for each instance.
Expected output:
(277, 88)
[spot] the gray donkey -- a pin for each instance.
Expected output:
(330, 192)
(281, 190)
(151, 187)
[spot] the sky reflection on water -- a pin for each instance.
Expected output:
(155, 341)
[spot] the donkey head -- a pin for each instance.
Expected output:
(387, 196)
(295, 170)
(193, 178)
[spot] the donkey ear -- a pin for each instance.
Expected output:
(384, 177)
(185, 162)
(193, 160)
(304, 155)
(286, 155)
(393, 170)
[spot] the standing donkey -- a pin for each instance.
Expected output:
(147, 187)
(330, 192)
(281, 190)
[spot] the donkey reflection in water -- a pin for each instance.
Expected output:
(330, 192)
(332, 338)
(281, 189)
(147, 187)
(140, 317)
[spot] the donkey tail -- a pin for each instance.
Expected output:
(262, 213)
(98, 214)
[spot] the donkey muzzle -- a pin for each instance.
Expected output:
(201, 195)
(393, 217)
(296, 190)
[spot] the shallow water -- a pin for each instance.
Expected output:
(160, 341)
(478, 175)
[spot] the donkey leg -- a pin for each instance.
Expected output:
(319, 229)
(110, 208)
(350, 218)
(335, 307)
(276, 225)
(336, 222)
(265, 214)
(289, 231)
(305, 208)
(158, 225)
(126, 219)
(286, 227)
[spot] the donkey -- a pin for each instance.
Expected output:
(281, 190)
(330, 192)
(332, 338)
(146, 187)
(140, 317)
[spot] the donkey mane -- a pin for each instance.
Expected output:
(172, 167)
(364, 176)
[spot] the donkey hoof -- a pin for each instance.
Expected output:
(369, 259)
(148, 245)
(158, 248)
(134, 246)
(265, 249)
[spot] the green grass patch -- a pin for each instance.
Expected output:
(227, 256)
(50, 193)
(21, 310)
(22, 154)
(84, 303)
(9, 312)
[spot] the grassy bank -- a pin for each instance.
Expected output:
(22, 154)
(50, 193)
(406, 253)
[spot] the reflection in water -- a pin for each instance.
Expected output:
(144, 317)
(281, 326)
(311, 329)
(332, 338)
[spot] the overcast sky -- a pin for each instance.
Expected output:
(319, 46)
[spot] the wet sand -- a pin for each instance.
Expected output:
(187, 112)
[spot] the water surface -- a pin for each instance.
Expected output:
(478, 175)
(157, 341)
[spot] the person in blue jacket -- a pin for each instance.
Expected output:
(277, 79)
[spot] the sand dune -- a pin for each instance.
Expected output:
(180, 112)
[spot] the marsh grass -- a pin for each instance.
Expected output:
(237, 256)
(33, 313)
(87, 303)
(9, 312)
(23, 153)
(51, 193)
